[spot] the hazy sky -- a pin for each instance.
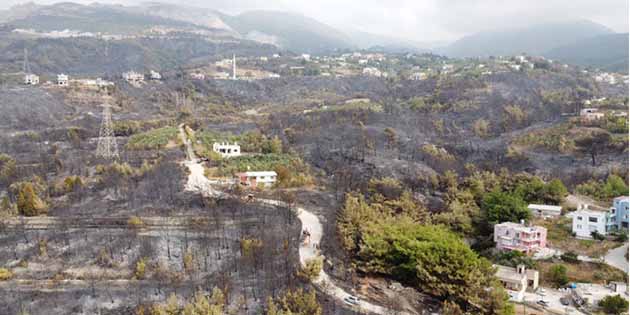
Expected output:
(423, 20)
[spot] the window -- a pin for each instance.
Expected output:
(579, 218)
(592, 219)
(579, 226)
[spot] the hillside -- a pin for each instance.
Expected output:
(532, 40)
(290, 31)
(608, 52)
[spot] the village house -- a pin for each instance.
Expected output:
(197, 76)
(154, 75)
(519, 237)
(620, 208)
(371, 71)
(418, 76)
(221, 75)
(254, 179)
(31, 79)
(62, 80)
(588, 115)
(545, 211)
(517, 280)
(226, 149)
(133, 77)
(586, 221)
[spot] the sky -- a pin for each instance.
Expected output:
(421, 20)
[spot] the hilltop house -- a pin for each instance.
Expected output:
(586, 221)
(226, 149)
(517, 280)
(544, 211)
(62, 79)
(418, 76)
(519, 237)
(253, 179)
(31, 79)
(197, 76)
(371, 71)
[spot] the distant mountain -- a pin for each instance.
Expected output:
(536, 39)
(109, 19)
(290, 31)
(365, 40)
(608, 52)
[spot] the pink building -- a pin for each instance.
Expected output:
(514, 236)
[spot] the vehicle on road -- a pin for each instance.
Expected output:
(565, 300)
(543, 303)
(353, 300)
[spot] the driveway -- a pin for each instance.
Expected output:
(617, 258)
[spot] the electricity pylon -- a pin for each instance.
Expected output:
(107, 147)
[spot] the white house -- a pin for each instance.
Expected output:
(418, 76)
(371, 71)
(545, 211)
(197, 76)
(133, 77)
(517, 280)
(226, 149)
(31, 79)
(155, 75)
(62, 79)
(253, 179)
(587, 221)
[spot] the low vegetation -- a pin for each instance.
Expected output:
(294, 302)
(614, 186)
(154, 139)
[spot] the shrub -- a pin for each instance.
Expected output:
(614, 304)
(570, 257)
(140, 271)
(135, 222)
(558, 275)
(188, 261)
(5, 274)
(28, 202)
(311, 269)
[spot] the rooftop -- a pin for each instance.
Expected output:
(544, 207)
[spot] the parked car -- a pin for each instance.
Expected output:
(543, 303)
(565, 300)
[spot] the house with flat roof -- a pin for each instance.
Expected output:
(517, 280)
(519, 237)
(545, 211)
(255, 179)
(620, 210)
(587, 220)
(62, 79)
(31, 79)
(227, 149)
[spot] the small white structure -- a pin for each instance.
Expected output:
(221, 75)
(372, 72)
(197, 76)
(590, 114)
(545, 211)
(62, 79)
(226, 149)
(31, 79)
(586, 221)
(253, 179)
(133, 77)
(517, 280)
(155, 75)
(418, 76)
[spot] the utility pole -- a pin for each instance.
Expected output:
(107, 147)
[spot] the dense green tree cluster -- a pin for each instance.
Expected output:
(291, 170)
(614, 186)
(396, 237)
(614, 304)
(294, 302)
(153, 139)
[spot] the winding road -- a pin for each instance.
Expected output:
(198, 182)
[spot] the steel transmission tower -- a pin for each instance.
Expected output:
(107, 147)
(26, 67)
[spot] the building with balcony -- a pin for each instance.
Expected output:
(519, 237)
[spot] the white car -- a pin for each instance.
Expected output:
(353, 300)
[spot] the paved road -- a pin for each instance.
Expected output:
(617, 258)
(198, 182)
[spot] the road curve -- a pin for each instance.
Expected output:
(198, 182)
